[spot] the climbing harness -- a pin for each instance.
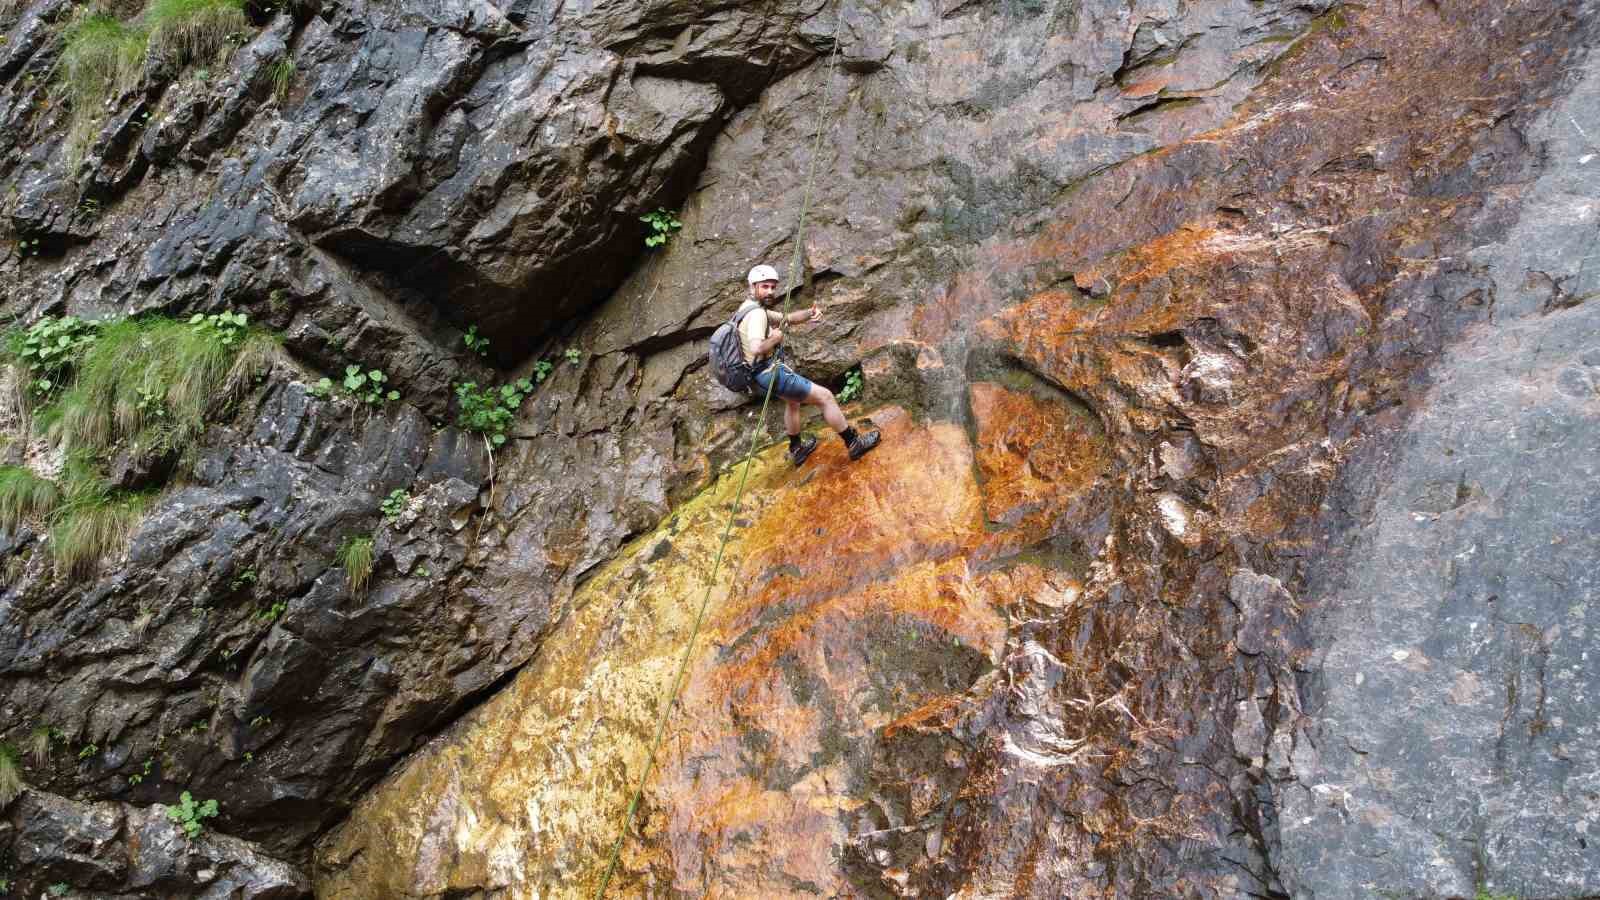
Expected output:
(738, 497)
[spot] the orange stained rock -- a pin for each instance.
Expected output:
(777, 730)
(840, 522)
(1037, 458)
(1146, 87)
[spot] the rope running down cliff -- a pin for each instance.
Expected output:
(755, 432)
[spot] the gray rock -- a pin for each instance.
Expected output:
(135, 852)
(1453, 708)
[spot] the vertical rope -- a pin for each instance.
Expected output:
(744, 476)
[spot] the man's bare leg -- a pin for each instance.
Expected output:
(791, 416)
(831, 413)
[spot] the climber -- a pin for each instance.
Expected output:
(760, 342)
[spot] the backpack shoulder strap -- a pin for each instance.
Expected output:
(745, 309)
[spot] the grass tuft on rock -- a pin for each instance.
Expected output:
(355, 555)
(143, 386)
(24, 495)
(10, 774)
(93, 520)
(104, 56)
(188, 31)
(147, 380)
(38, 745)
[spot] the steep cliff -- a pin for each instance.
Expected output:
(1232, 533)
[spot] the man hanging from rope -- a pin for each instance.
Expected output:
(760, 342)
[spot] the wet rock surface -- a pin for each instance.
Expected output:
(115, 849)
(1261, 305)
(1151, 300)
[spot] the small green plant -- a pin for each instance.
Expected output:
(137, 777)
(24, 495)
(89, 208)
(249, 757)
(273, 612)
(355, 555)
(573, 355)
(367, 386)
(542, 370)
(490, 411)
(244, 579)
(150, 403)
(228, 328)
(476, 343)
(59, 889)
(10, 774)
(26, 247)
(663, 225)
(189, 815)
(852, 386)
(322, 390)
(258, 721)
(421, 572)
(282, 79)
(88, 750)
(395, 504)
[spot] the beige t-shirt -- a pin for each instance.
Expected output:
(752, 331)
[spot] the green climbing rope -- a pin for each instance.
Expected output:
(738, 497)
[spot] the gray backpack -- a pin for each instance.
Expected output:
(727, 357)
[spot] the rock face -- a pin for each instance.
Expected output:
(1169, 313)
(116, 849)
(1452, 725)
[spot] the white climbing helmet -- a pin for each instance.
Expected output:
(763, 273)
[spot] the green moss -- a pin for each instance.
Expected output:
(24, 495)
(355, 555)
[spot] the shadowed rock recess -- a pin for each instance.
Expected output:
(1233, 533)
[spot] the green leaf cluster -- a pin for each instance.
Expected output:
(663, 225)
(489, 411)
(395, 504)
(476, 342)
(367, 386)
(852, 386)
(228, 328)
(48, 347)
(189, 815)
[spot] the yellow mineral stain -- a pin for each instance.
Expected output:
(845, 598)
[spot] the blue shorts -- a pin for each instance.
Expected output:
(790, 386)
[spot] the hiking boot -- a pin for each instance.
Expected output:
(799, 452)
(862, 442)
